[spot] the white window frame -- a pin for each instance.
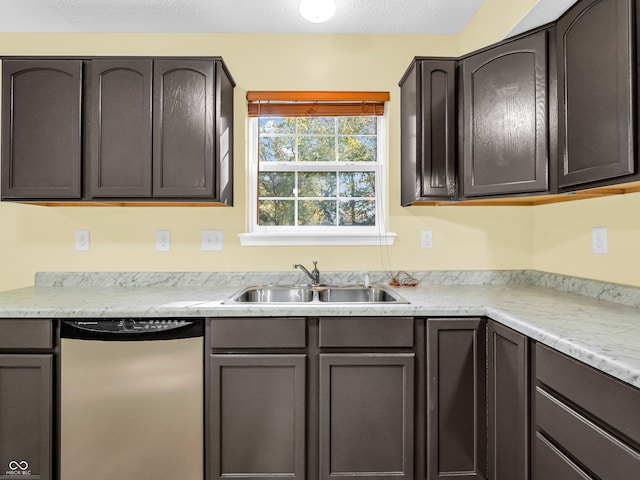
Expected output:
(259, 235)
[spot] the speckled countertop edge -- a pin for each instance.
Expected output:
(600, 333)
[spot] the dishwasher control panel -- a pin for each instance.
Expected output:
(128, 325)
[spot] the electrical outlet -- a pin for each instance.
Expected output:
(82, 240)
(163, 240)
(212, 240)
(599, 240)
(427, 239)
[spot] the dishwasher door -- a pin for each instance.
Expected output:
(132, 409)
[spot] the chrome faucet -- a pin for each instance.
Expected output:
(314, 275)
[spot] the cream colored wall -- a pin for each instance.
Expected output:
(122, 239)
(492, 22)
(562, 241)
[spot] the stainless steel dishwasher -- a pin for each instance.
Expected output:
(132, 399)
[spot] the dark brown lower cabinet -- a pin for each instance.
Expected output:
(366, 416)
(587, 424)
(455, 400)
(257, 416)
(508, 403)
(26, 416)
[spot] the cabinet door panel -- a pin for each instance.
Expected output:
(41, 150)
(595, 83)
(508, 404)
(183, 147)
(120, 129)
(366, 416)
(505, 119)
(26, 408)
(456, 434)
(258, 412)
(428, 129)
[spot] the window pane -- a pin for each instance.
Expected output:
(357, 125)
(277, 125)
(317, 125)
(357, 213)
(276, 212)
(357, 184)
(316, 149)
(316, 184)
(276, 184)
(277, 149)
(357, 149)
(320, 212)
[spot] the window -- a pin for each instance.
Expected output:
(317, 171)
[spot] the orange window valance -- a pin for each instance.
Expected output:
(315, 104)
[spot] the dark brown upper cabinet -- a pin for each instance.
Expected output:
(154, 129)
(120, 128)
(41, 126)
(596, 70)
(183, 147)
(428, 131)
(504, 147)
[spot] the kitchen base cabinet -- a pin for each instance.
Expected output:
(508, 403)
(586, 423)
(456, 413)
(26, 399)
(258, 413)
(366, 416)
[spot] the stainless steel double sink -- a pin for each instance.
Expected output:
(321, 294)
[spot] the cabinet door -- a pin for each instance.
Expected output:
(41, 151)
(505, 119)
(456, 415)
(257, 417)
(366, 416)
(120, 128)
(428, 130)
(508, 397)
(26, 406)
(595, 84)
(183, 128)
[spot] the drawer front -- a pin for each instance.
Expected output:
(258, 333)
(597, 450)
(26, 334)
(360, 332)
(551, 463)
(604, 397)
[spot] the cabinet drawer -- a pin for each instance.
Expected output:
(604, 397)
(551, 463)
(258, 333)
(366, 332)
(26, 334)
(591, 446)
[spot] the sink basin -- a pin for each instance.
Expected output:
(316, 294)
(274, 294)
(373, 294)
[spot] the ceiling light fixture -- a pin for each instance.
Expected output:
(317, 11)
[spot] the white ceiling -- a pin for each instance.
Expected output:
(278, 16)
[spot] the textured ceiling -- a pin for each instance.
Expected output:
(352, 16)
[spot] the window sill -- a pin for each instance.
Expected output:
(301, 239)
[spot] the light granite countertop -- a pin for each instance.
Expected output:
(600, 333)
